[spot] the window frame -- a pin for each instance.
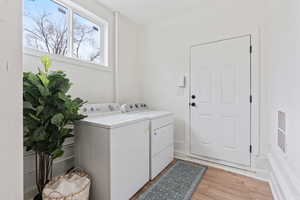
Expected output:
(73, 8)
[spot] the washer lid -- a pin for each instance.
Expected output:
(113, 121)
(152, 114)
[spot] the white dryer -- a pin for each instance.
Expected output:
(114, 149)
(161, 135)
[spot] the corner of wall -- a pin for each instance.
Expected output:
(283, 183)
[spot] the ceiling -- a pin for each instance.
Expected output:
(145, 11)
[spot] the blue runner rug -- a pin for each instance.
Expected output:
(178, 183)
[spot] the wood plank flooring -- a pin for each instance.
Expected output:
(218, 184)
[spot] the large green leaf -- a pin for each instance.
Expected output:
(33, 79)
(31, 94)
(39, 134)
(62, 96)
(57, 153)
(27, 105)
(39, 109)
(66, 132)
(43, 90)
(34, 117)
(57, 119)
(44, 79)
(30, 123)
(35, 82)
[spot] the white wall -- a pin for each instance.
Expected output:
(129, 69)
(11, 143)
(91, 84)
(165, 47)
(281, 62)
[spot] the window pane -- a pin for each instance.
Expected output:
(45, 26)
(87, 43)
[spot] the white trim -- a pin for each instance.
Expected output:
(255, 90)
(102, 23)
(72, 61)
(275, 187)
(253, 173)
(116, 78)
(284, 184)
(73, 8)
(70, 33)
(80, 9)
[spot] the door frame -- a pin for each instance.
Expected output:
(254, 107)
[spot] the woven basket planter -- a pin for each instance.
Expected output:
(72, 186)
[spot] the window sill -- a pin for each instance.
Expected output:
(67, 60)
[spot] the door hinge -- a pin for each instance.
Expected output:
(250, 99)
(251, 49)
(250, 148)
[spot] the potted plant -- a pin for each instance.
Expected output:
(49, 116)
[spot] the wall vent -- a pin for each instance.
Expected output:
(281, 133)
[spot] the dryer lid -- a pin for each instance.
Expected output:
(152, 114)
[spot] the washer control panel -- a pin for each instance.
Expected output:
(90, 109)
(136, 107)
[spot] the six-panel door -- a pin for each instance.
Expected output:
(220, 85)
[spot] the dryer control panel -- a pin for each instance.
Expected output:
(136, 107)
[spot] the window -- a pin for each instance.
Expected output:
(86, 40)
(61, 29)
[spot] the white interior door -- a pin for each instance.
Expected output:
(220, 97)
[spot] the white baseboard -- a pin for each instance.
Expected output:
(275, 188)
(284, 184)
(179, 155)
(262, 175)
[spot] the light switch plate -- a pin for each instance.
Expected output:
(181, 81)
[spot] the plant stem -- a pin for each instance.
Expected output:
(43, 165)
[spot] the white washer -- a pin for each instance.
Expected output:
(114, 149)
(161, 135)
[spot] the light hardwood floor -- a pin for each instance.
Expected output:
(218, 184)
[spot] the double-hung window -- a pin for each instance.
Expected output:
(60, 28)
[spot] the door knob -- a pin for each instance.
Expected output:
(193, 104)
